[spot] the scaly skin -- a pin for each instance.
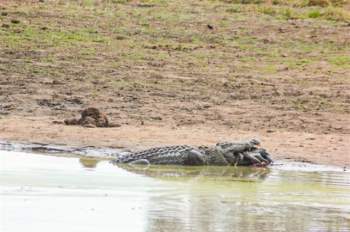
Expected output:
(229, 153)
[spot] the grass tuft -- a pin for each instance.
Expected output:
(341, 61)
(314, 14)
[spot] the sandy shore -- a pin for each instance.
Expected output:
(332, 149)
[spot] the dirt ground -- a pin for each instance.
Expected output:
(178, 72)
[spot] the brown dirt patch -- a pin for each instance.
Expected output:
(90, 117)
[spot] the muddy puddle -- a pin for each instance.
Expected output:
(50, 193)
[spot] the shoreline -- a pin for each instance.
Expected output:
(97, 154)
(329, 149)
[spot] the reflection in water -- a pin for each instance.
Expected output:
(213, 214)
(208, 204)
(182, 173)
(89, 163)
(238, 199)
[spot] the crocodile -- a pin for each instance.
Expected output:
(222, 154)
(228, 153)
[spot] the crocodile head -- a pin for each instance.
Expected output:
(254, 142)
(245, 153)
(238, 147)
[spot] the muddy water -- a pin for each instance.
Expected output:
(46, 193)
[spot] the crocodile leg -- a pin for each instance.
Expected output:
(194, 157)
(239, 158)
(251, 156)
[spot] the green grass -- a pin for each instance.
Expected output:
(39, 38)
(332, 12)
(314, 14)
(340, 61)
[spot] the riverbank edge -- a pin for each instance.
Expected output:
(327, 149)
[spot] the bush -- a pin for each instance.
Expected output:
(314, 14)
